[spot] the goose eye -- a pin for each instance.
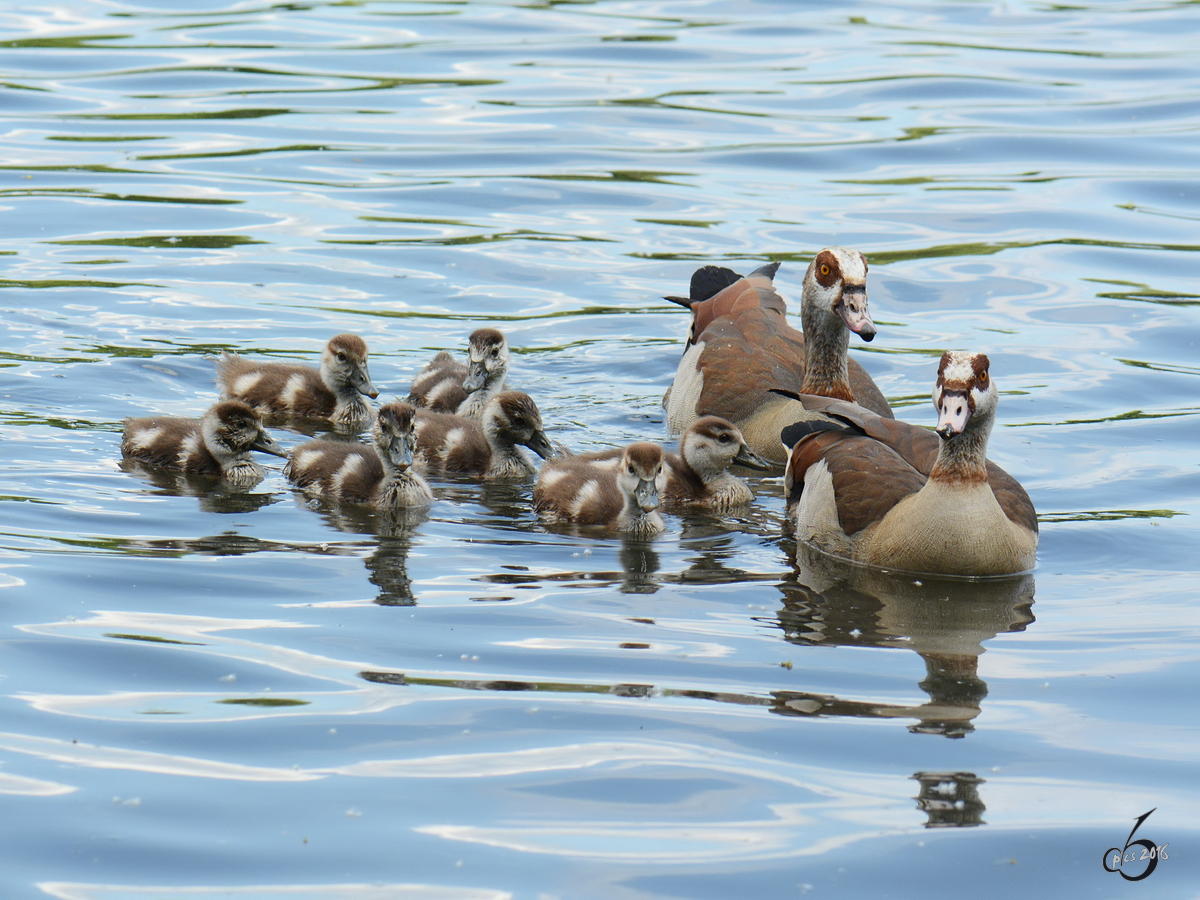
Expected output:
(824, 268)
(983, 376)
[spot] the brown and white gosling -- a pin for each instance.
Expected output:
(699, 473)
(381, 475)
(446, 385)
(488, 449)
(332, 392)
(624, 497)
(893, 495)
(218, 444)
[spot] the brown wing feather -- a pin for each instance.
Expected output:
(869, 478)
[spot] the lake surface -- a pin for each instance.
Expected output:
(213, 692)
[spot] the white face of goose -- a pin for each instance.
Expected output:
(488, 358)
(344, 362)
(836, 282)
(964, 390)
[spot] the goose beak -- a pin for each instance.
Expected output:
(646, 495)
(362, 383)
(852, 307)
(751, 460)
(266, 444)
(954, 411)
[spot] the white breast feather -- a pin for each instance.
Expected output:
(685, 391)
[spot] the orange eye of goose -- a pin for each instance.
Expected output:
(983, 377)
(824, 269)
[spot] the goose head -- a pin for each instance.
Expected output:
(395, 434)
(712, 444)
(836, 285)
(965, 395)
(511, 417)
(231, 429)
(487, 359)
(344, 366)
(640, 475)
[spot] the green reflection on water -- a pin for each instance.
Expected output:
(171, 242)
(1110, 515)
(1144, 293)
(265, 701)
(153, 639)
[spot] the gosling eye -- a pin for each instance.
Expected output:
(341, 355)
(631, 472)
(724, 439)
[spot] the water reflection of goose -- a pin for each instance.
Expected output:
(944, 621)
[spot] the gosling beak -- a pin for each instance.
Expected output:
(476, 376)
(400, 453)
(954, 411)
(362, 383)
(852, 307)
(751, 460)
(646, 495)
(540, 444)
(266, 444)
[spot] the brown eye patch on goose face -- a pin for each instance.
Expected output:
(826, 269)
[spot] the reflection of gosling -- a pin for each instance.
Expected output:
(217, 444)
(332, 392)
(699, 473)
(353, 473)
(454, 444)
(446, 385)
(624, 496)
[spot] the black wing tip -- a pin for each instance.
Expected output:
(767, 271)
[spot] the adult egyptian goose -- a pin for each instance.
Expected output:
(893, 495)
(740, 346)
(624, 496)
(333, 392)
(218, 444)
(446, 385)
(699, 473)
(488, 449)
(380, 475)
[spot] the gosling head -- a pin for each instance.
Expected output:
(711, 445)
(640, 475)
(395, 434)
(487, 360)
(344, 365)
(511, 417)
(231, 428)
